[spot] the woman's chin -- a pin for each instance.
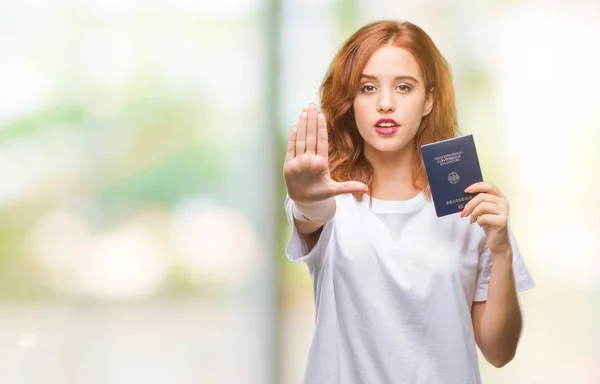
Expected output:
(389, 147)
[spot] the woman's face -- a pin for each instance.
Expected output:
(391, 100)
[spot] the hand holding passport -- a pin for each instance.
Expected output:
(451, 165)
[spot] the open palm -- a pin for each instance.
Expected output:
(306, 166)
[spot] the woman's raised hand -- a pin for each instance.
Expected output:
(306, 167)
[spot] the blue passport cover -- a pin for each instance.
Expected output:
(451, 165)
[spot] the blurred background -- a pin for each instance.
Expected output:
(141, 198)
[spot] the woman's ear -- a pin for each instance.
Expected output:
(429, 101)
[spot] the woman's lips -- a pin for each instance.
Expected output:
(386, 131)
(386, 126)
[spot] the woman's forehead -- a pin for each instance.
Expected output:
(390, 62)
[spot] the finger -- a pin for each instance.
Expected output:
(290, 153)
(347, 187)
(485, 208)
(301, 134)
(481, 197)
(494, 221)
(322, 140)
(484, 186)
(311, 129)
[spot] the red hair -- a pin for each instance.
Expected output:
(340, 85)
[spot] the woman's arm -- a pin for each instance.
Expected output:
(309, 219)
(497, 322)
(307, 178)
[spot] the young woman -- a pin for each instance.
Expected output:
(401, 295)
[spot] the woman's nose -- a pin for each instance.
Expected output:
(385, 103)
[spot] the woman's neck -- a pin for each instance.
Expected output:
(392, 179)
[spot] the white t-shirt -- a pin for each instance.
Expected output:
(393, 288)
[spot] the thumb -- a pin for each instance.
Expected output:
(338, 188)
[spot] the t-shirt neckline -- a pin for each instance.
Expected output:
(396, 206)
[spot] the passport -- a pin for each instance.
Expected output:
(451, 165)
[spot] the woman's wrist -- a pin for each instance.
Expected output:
(319, 212)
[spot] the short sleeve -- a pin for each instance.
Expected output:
(296, 249)
(523, 280)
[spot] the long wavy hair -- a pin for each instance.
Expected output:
(340, 86)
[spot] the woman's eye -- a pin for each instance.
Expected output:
(367, 88)
(404, 87)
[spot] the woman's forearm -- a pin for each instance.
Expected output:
(309, 218)
(501, 321)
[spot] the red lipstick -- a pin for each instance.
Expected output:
(386, 126)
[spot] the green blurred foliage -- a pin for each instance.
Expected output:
(147, 153)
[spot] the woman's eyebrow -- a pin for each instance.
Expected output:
(404, 77)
